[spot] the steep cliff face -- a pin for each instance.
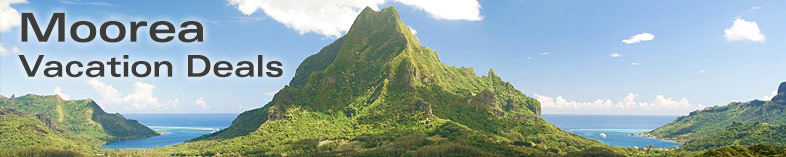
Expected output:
(377, 85)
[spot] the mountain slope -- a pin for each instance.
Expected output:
(377, 91)
(49, 121)
(20, 130)
(737, 123)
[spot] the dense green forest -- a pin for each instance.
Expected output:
(738, 123)
(33, 121)
(755, 150)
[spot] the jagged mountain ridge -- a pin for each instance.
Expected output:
(376, 85)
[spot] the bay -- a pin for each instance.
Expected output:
(619, 130)
(177, 128)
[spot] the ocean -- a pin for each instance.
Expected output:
(178, 128)
(619, 130)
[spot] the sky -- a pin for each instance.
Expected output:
(575, 57)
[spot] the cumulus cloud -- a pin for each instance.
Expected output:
(9, 17)
(173, 103)
(412, 30)
(742, 30)
(639, 38)
(142, 98)
(329, 18)
(615, 55)
(332, 18)
(769, 97)
(202, 104)
(448, 9)
(5, 52)
(109, 95)
(59, 92)
(628, 105)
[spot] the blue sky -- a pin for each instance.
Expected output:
(570, 55)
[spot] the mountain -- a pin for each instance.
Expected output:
(377, 91)
(50, 121)
(738, 123)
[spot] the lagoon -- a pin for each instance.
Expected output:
(177, 128)
(619, 130)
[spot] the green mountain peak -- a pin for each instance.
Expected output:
(377, 85)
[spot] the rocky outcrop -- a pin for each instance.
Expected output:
(526, 118)
(48, 122)
(486, 98)
(12, 100)
(11, 111)
(420, 107)
(276, 114)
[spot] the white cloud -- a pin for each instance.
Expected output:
(628, 105)
(9, 17)
(329, 18)
(755, 7)
(639, 38)
(202, 104)
(59, 92)
(448, 9)
(769, 97)
(109, 95)
(271, 93)
(142, 98)
(744, 30)
(615, 55)
(332, 18)
(702, 71)
(635, 63)
(545, 53)
(174, 103)
(5, 52)
(412, 30)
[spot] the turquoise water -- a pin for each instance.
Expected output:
(179, 128)
(619, 130)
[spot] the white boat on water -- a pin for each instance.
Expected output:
(603, 135)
